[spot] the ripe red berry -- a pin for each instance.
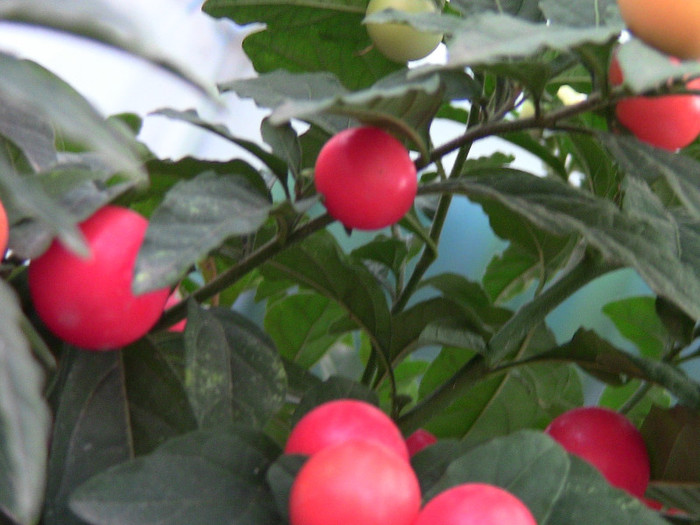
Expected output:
(367, 178)
(420, 439)
(356, 482)
(669, 122)
(475, 504)
(343, 420)
(89, 302)
(607, 440)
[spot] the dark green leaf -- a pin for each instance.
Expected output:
(437, 321)
(280, 477)
(213, 477)
(472, 298)
(680, 173)
(308, 36)
(158, 405)
(195, 217)
(24, 417)
(233, 371)
(91, 429)
(285, 144)
(559, 489)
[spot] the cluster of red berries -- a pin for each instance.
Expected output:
(359, 471)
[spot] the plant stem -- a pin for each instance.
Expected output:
(593, 102)
(248, 263)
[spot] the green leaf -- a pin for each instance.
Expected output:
(581, 13)
(637, 320)
(684, 496)
(285, 144)
(232, 370)
(489, 38)
(437, 321)
(619, 398)
(91, 428)
(24, 417)
(276, 165)
(601, 359)
(280, 477)
(158, 405)
(207, 476)
(299, 324)
(318, 263)
(308, 36)
(483, 315)
(662, 246)
(680, 173)
(31, 133)
(404, 105)
(527, 9)
(533, 254)
(523, 397)
(29, 85)
(194, 218)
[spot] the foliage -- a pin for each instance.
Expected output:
(189, 427)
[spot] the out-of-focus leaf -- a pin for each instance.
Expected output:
(207, 476)
(671, 436)
(91, 429)
(576, 13)
(24, 418)
(98, 21)
(276, 165)
(645, 68)
(194, 218)
(636, 319)
(28, 85)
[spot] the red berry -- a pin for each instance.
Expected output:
(420, 439)
(89, 302)
(356, 482)
(475, 504)
(342, 420)
(607, 440)
(367, 178)
(669, 122)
